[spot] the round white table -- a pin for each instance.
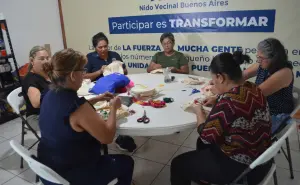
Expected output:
(163, 121)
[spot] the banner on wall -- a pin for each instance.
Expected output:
(227, 21)
(202, 28)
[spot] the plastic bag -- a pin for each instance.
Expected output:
(110, 83)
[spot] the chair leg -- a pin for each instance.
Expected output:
(34, 144)
(289, 157)
(37, 179)
(275, 178)
(29, 127)
(22, 142)
(298, 137)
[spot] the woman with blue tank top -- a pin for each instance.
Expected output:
(72, 131)
(275, 78)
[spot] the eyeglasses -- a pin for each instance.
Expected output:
(167, 43)
(260, 59)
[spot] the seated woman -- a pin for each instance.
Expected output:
(100, 58)
(233, 135)
(169, 57)
(72, 130)
(35, 83)
(275, 78)
(97, 61)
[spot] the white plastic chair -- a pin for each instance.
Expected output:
(37, 167)
(40, 169)
(268, 155)
(296, 91)
(16, 101)
(296, 100)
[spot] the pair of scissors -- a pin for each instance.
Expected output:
(144, 119)
(194, 91)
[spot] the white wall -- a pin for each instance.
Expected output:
(83, 20)
(30, 23)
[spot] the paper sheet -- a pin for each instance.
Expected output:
(157, 71)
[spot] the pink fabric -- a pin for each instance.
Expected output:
(125, 89)
(130, 85)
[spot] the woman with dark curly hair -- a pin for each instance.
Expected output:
(97, 61)
(101, 57)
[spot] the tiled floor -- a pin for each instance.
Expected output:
(152, 159)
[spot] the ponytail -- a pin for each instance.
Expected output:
(241, 58)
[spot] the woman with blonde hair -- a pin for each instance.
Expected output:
(72, 131)
(35, 83)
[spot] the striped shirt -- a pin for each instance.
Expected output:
(239, 124)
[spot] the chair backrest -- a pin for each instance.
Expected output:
(295, 111)
(16, 101)
(273, 150)
(37, 167)
(114, 182)
(296, 94)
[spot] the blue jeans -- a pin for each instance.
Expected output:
(277, 121)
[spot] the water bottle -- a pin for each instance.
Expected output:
(167, 78)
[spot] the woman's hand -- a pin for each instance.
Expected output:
(103, 97)
(210, 101)
(214, 90)
(157, 66)
(101, 71)
(116, 102)
(173, 69)
(107, 96)
(201, 115)
(198, 109)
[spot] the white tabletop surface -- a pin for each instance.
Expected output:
(163, 121)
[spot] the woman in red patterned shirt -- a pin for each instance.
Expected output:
(233, 135)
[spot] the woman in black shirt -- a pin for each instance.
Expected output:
(35, 83)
